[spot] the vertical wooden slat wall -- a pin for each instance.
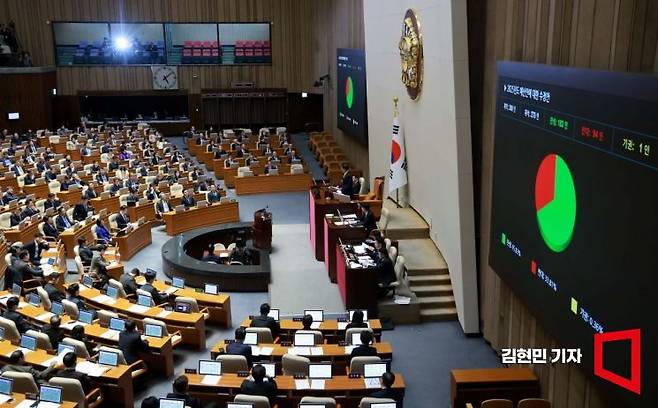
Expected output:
(620, 35)
(292, 40)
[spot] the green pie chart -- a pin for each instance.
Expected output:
(349, 92)
(555, 202)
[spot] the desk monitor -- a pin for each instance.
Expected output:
(87, 281)
(274, 314)
(365, 314)
(319, 371)
(28, 342)
(6, 385)
(251, 339)
(273, 172)
(210, 367)
(210, 289)
(65, 348)
(171, 403)
(117, 324)
(384, 405)
(109, 358)
(182, 307)
(179, 208)
(85, 317)
(202, 204)
(153, 330)
(144, 300)
(2, 333)
(270, 369)
(239, 405)
(374, 370)
(112, 292)
(356, 339)
(317, 315)
(33, 299)
(57, 308)
(178, 282)
(50, 393)
(16, 290)
(304, 339)
(151, 272)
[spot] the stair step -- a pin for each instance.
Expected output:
(424, 272)
(432, 290)
(428, 280)
(438, 314)
(432, 302)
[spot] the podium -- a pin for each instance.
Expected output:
(261, 231)
(335, 229)
(322, 202)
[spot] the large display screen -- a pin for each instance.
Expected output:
(351, 95)
(574, 227)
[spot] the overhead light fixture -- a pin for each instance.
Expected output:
(54, 91)
(304, 94)
(121, 43)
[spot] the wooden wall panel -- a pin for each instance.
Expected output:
(292, 40)
(338, 24)
(29, 94)
(602, 34)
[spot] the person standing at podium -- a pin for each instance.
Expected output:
(347, 186)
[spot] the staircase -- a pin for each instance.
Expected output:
(427, 270)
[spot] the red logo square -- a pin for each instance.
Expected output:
(632, 384)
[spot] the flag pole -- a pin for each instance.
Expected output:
(396, 113)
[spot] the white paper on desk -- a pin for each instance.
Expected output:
(359, 249)
(355, 265)
(102, 299)
(315, 325)
(45, 316)
(350, 216)
(300, 351)
(302, 384)
(255, 350)
(110, 334)
(211, 379)
(317, 384)
(342, 325)
(22, 304)
(317, 351)
(339, 223)
(46, 269)
(266, 351)
(48, 405)
(171, 290)
(401, 300)
(91, 369)
(4, 398)
(348, 349)
(72, 324)
(138, 309)
(163, 313)
(372, 382)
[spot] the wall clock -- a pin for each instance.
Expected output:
(165, 77)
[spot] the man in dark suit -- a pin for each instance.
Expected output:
(127, 279)
(122, 219)
(387, 391)
(86, 253)
(367, 217)
(49, 228)
(70, 360)
(54, 294)
(16, 217)
(238, 347)
(90, 192)
(158, 298)
(102, 177)
(188, 199)
(30, 209)
(11, 314)
(347, 187)
(364, 349)
(51, 202)
(258, 386)
(35, 247)
(180, 392)
(98, 267)
(266, 321)
(131, 343)
(30, 178)
(24, 270)
(213, 195)
(54, 332)
(386, 273)
(81, 209)
(293, 157)
(62, 220)
(17, 364)
(9, 196)
(163, 205)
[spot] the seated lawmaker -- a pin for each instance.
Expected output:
(74, 296)
(51, 202)
(387, 391)
(23, 269)
(364, 349)
(17, 364)
(35, 247)
(213, 196)
(49, 228)
(30, 209)
(258, 384)
(131, 343)
(238, 347)
(357, 321)
(54, 294)
(91, 193)
(11, 314)
(82, 210)
(188, 199)
(367, 217)
(264, 320)
(181, 392)
(293, 157)
(54, 332)
(62, 220)
(163, 206)
(158, 297)
(16, 217)
(122, 219)
(386, 274)
(70, 360)
(102, 232)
